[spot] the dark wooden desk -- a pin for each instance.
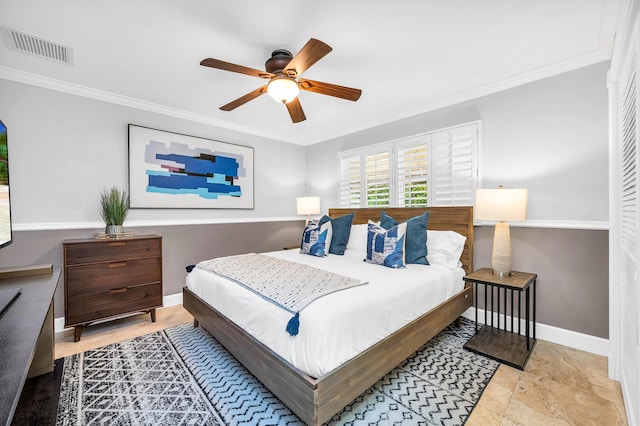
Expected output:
(26, 337)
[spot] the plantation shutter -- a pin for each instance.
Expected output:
(628, 166)
(431, 169)
(624, 307)
(365, 176)
(454, 166)
(378, 177)
(412, 171)
(350, 182)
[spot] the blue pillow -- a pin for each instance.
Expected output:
(386, 247)
(416, 244)
(316, 239)
(341, 228)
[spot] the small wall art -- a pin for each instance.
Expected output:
(172, 170)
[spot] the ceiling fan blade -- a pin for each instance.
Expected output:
(343, 92)
(244, 99)
(295, 111)
(228, 66)
(310, 53)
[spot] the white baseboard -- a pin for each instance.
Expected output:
(572, 339)
(170, 300)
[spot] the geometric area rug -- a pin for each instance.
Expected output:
(183, 376)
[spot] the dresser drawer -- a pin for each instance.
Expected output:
(87, 307)
(101, 251)
(96, 277)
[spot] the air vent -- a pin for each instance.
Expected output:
(27, 43)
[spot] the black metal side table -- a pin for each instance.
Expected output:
(502, 344)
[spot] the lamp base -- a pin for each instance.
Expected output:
(502, 274)
(501, 256)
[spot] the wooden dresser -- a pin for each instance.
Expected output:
(111, 277)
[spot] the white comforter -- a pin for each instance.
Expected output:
(337, 327)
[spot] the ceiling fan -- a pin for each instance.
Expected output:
(283, 72)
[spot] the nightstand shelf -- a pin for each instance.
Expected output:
(512, 346)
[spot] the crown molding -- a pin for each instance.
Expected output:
(114, 98)
(571, 64)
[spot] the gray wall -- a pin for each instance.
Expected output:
(64, 149)
(550, 136)
(573, 272)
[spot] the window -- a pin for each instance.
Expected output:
(411, 172)
(432, 169)
(377, 174)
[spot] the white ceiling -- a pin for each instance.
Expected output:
(408, 57)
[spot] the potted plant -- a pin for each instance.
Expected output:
(114, 206)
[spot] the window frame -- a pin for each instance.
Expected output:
(457, 196)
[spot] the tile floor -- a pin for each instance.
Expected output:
(560, 386)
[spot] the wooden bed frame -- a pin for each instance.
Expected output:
(316, 400)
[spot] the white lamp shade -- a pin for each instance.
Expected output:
(509, 205)
(308, 205)
(283, 89)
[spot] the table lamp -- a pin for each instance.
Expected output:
(308, 206)
(503, 205)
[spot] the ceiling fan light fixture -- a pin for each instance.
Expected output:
(283, 89)
(283, 70)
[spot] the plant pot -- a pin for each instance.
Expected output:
(114, 229)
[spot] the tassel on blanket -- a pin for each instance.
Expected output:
(190, 268)
(293, 324)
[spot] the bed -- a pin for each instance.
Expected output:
(313, 399)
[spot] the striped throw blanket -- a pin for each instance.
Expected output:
(291, 286)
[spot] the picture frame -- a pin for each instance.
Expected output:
(176, 171)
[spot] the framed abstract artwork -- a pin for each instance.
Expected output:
(175, 171)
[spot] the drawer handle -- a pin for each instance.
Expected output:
(117, 264)
(118, 243)
(118, 290)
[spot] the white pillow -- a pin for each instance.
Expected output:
(445, 248)
(358, 238)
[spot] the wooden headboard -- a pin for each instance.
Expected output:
(454, 218)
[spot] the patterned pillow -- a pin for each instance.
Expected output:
(386, 247)
(316, 239)
(416, 244)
